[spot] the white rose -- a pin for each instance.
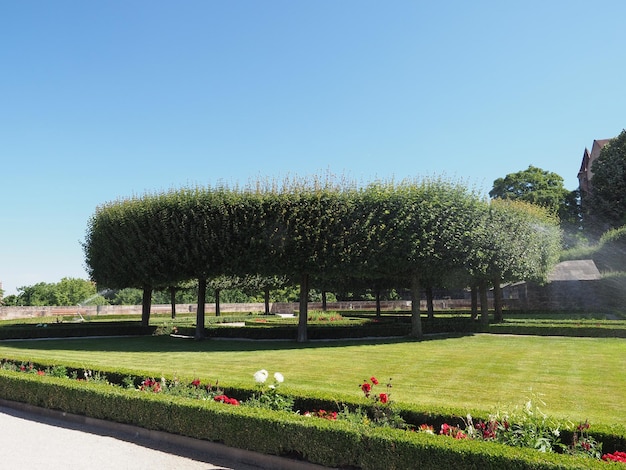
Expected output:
(260, 376)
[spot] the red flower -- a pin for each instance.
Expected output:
(226, 399)
(196, 383)
(615, 456)
(41, 372)
(384, 398)
(374, 380)
(367, 388)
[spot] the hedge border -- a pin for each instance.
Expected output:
(332, 444)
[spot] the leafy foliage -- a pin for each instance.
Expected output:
(606, 205)
(408, 234)
(68, 291)
(540, 187)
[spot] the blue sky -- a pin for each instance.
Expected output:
(105, 100)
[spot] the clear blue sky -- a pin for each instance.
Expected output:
(105, 100)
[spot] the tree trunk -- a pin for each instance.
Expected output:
(173, 301)
(474, 295)
(378, 312)
(303, 310)
(324, 303)
(200, 310)
(429, 303)
(217, 303)
(416, 320)
(497, 300)
(267, 300)
(484, 303)
(146, 303)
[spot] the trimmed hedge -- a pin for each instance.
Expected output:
(554, 330)
(389, 326)
(333, 444)
(70, 330)
(451, 326)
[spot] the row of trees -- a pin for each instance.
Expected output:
(321, 232)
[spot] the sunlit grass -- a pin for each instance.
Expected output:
(578, 378)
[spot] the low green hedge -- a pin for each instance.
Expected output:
(333, 444)
(69, 330)
(559, 330)
(451, 326)
(316, 332)
(387, 326)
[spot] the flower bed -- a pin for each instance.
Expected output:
(370, 433)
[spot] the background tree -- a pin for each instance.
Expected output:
(605, 206)
(128, 296)
(543, 188)
(254, 284)
(68, 291)
(220, 284)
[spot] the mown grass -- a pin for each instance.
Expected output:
(577, 378)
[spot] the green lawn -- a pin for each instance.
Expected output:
(578, 378)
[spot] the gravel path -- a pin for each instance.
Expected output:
(30, 441)
(37, 438)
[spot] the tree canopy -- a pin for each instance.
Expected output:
(414, 231)
(541, 187)
(515, 241)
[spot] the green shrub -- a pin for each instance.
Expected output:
(68, 330)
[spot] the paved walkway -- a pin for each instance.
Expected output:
(37, 438)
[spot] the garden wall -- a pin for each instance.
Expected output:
(9, 313)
